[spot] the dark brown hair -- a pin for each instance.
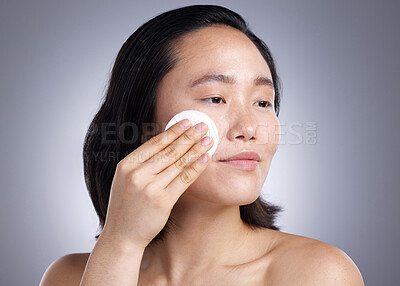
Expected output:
(144, 59)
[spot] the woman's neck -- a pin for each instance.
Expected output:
(206, 235)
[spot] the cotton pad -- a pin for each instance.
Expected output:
(195, 117)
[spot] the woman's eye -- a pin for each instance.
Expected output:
(265, 102)
(213, 98)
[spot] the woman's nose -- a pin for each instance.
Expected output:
(241, 125)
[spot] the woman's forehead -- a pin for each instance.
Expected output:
(214, 50)
(212, 41)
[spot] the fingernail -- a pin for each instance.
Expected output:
(200, 127)
(185, 124)
(204, 158)
(205, 141)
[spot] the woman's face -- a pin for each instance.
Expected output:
(244, 120)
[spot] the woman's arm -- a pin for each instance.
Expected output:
(113, 262)
(143, 192)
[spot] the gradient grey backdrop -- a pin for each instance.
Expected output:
(339, 63)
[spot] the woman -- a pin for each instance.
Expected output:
(167, 217)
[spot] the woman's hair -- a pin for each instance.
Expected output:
(144, 59)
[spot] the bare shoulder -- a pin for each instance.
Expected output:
(65, 270)
(301, 260)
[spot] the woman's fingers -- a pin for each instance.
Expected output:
(167, 175)
(155, 144)
(148, 182)
(185, 178)
(172, 153)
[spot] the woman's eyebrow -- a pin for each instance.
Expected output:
(210, 77)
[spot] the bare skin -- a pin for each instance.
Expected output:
(292, 260)
(211, 245)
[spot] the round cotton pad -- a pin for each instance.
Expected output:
(196, 117)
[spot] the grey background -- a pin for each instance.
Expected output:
(339, 65)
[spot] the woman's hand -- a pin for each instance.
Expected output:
(149, 181)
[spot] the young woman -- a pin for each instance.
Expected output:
(168, 217)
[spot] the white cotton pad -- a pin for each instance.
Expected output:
(196, 117)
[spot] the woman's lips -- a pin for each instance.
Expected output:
(242, 164)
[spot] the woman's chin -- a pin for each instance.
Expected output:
(224, 194)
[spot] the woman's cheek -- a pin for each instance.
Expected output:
(276, 133)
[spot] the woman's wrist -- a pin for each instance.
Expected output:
(123, 245)
(113, 261)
